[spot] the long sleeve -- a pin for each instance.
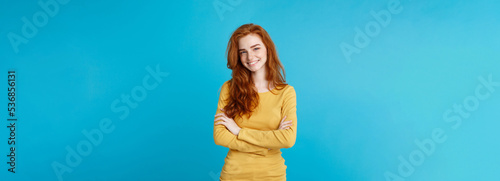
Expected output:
(224, 137)
(276, 139)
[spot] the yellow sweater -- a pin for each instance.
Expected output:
(255, 153)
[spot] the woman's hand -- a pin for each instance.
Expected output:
(229, 123)
(285, 124)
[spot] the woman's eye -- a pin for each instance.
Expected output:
(242, 52)
(256, 48)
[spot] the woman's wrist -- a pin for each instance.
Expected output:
(238, 129)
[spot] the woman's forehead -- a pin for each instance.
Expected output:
(249, 41)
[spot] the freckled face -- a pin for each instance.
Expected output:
(252, 52)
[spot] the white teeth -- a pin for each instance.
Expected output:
(252, 63)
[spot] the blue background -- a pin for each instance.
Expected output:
(355, 117)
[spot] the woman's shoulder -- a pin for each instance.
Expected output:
(225, 87)
(286, 89)
(226, 84)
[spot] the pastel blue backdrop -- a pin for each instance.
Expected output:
(369, 87)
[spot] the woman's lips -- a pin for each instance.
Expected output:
(253, 63)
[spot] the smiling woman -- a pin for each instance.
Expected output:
(256, 114)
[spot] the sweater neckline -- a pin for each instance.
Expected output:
(267, 91)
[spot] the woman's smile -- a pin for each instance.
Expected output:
(253, 63)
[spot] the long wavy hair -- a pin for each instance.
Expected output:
(243, 96)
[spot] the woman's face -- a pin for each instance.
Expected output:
(252, 52)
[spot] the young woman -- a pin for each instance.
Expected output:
(256, 115)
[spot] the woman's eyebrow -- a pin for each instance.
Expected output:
(254, 45)
(250, 46)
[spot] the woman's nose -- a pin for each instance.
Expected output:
(250, 56)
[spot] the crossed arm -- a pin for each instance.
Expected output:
(228, 134)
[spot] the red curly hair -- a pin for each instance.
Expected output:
(243, 96)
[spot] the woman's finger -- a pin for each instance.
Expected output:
(286, 125)
(223, 115)
(220, 114)
(286, 122)
(220, 119)
(283, 119)
(282, 128)
(222, 122)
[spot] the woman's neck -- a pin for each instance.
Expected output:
(260, 81)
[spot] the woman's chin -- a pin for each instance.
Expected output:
(254, 69)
